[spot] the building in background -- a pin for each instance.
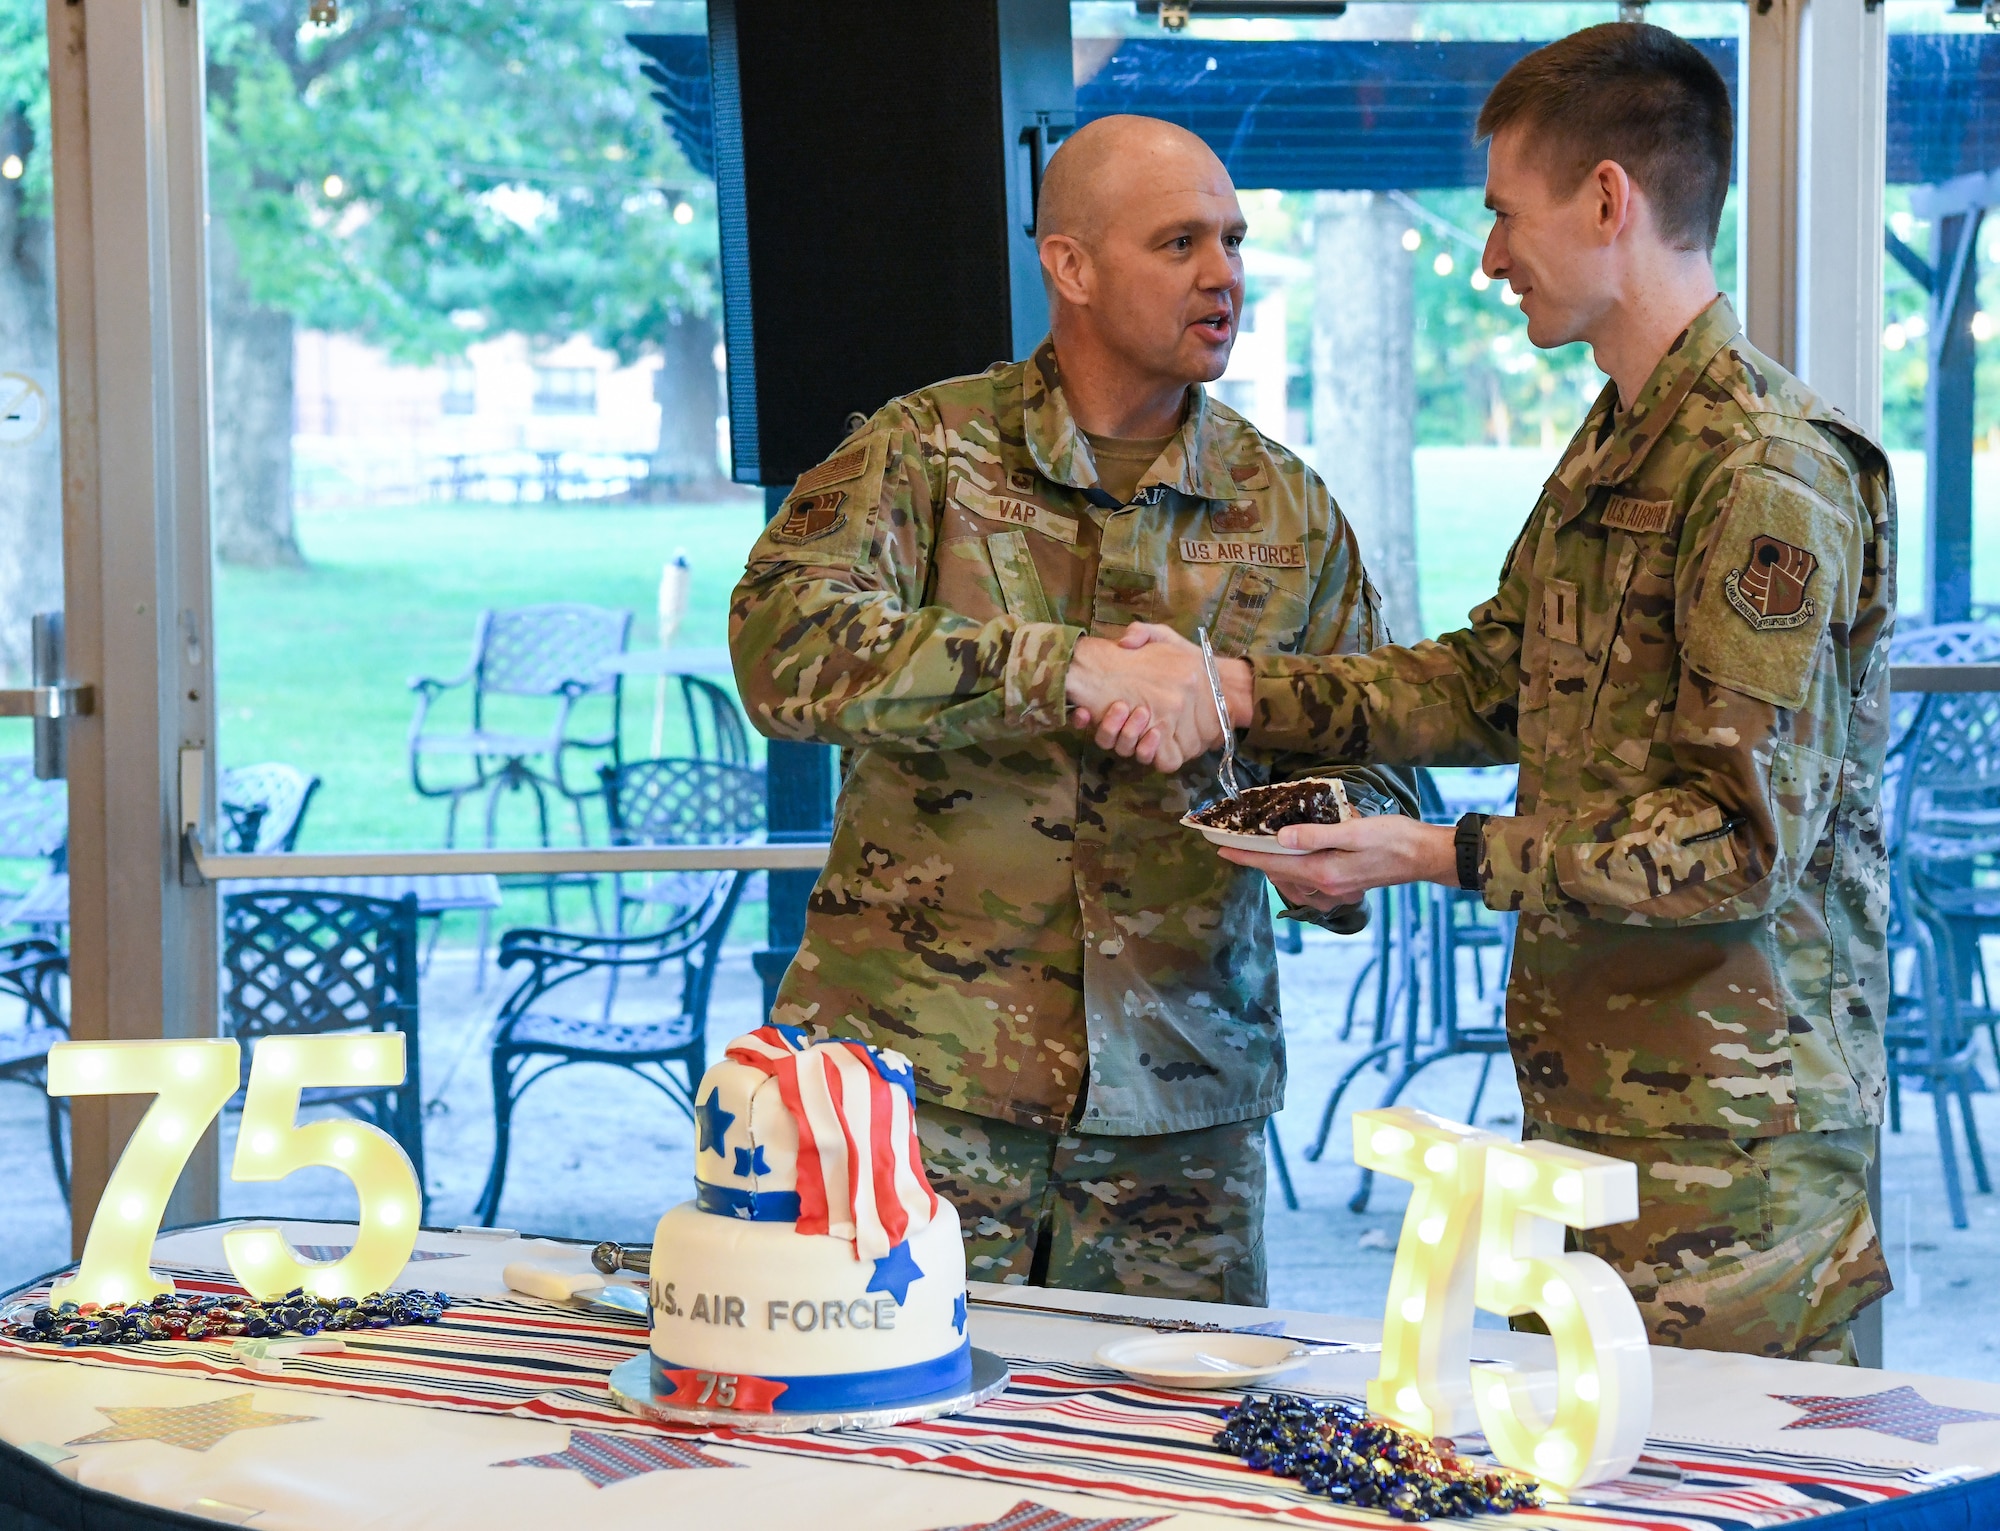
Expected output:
(506, 422)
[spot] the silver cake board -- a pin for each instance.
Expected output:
(632, 1386)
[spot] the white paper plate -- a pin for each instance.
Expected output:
(1268, 844)
(1187, 1360)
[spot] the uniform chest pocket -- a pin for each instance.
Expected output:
(1631, 711)
(967, 580)
(1257, 612)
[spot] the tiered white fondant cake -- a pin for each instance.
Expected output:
(815, 1270)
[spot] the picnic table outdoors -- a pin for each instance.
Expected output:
(501, 1416)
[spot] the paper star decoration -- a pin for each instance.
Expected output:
(958, 1312)
(894, 1272)
(1029, 1516)
(1900, 1411)
(613, 1458)
(750, 1161)
(712, 1122)
(195, 1427)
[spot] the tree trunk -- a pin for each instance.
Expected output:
(30, 442)
(1364, 391)
(685, 460)
(250, 474)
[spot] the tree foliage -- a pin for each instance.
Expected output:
(425, 170)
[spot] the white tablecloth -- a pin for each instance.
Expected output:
(388, 1465)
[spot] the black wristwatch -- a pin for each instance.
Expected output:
(1469, 839)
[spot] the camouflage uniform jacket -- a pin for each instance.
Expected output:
(1003, 900)
(1687, 657)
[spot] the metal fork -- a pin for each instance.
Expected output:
(1227, 774)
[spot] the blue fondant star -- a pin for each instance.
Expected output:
(894, 1272)
(750, 1161)
(711, 1123)
(904, 1077)
(958, 1312)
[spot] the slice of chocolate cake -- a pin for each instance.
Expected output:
(1266, 810)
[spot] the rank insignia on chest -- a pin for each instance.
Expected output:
(811, 516)
(1770, 591)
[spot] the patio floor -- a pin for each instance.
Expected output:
(599, 1154)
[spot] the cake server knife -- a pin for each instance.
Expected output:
(1227, 774)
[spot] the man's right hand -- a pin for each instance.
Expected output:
(1148, 695)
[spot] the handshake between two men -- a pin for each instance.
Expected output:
(1148, 696)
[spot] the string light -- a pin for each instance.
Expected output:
(1412, 240)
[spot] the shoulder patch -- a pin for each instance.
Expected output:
(1623, 513)
(850, 464)
(809, 517)
(1770, 591)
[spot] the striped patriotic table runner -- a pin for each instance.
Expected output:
(1057, 1427)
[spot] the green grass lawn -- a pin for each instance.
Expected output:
(313, 665)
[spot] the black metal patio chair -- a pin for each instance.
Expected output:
(551, 654)
(298, 962)
(34, 827)
(32, 973)
(715, 722)
(264, 806)
(552, 1020)
(677, 802)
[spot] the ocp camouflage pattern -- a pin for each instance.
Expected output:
(1697, 853)
(1179, 1215)
(1004, 902)
(1759, 1247)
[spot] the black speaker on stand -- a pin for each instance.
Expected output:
(875, 172)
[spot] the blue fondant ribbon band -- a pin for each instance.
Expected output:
(755, 1206)
(947, 1375)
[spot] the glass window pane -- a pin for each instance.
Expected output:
(468, 467)
(33, 813)
(1944, 124)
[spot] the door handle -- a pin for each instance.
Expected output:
(50, 703)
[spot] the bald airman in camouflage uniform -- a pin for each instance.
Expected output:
(1088, 994)
(1687, 657)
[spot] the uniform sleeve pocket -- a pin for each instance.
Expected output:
(1768, 589)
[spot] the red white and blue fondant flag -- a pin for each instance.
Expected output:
(859, 1174)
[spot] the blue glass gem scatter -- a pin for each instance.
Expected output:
(180, 1316)
(1336, 1450)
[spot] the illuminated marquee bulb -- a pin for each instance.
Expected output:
(1391, 1142)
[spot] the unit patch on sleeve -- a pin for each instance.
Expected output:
(1263, 555)
(1770, 592)
(1625, 514)
(810, 517)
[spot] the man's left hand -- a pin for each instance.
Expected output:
(1348, 859)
